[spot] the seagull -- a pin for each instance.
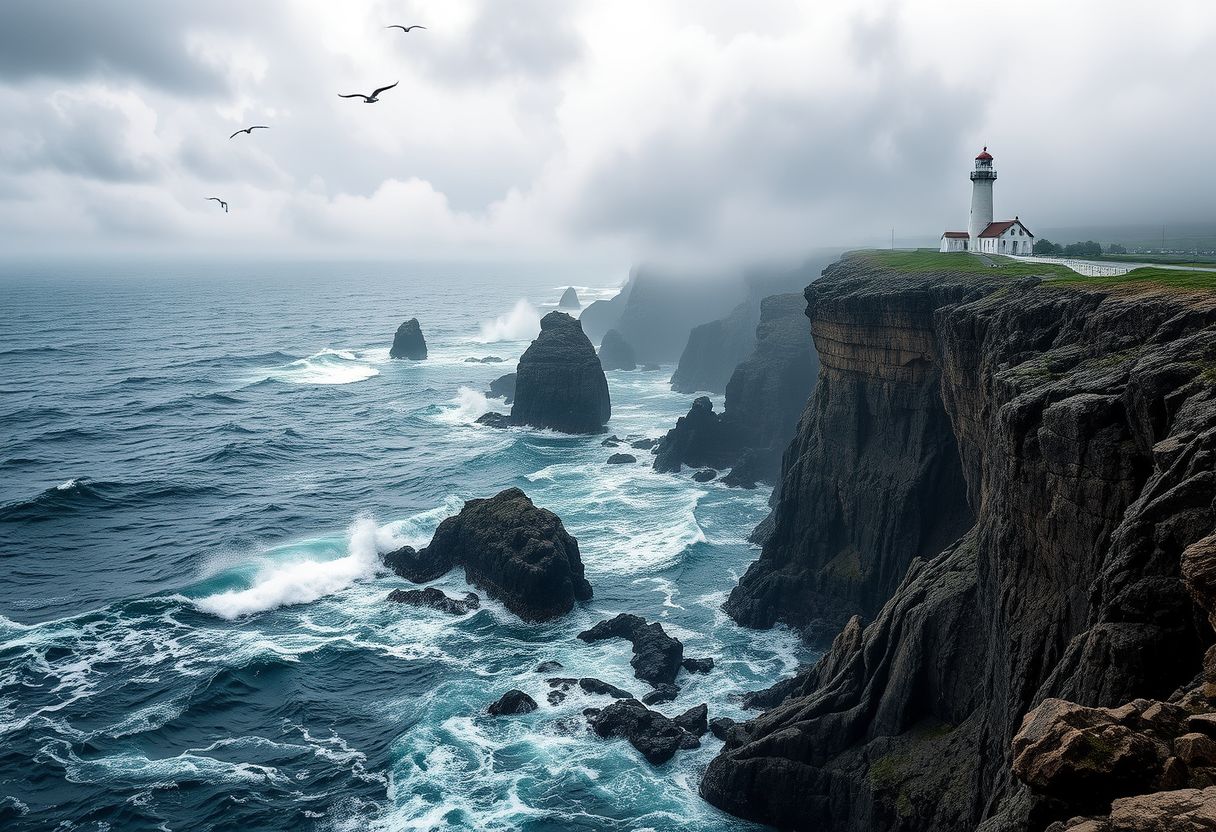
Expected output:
(405, 29)
(369, 99)
(249, 130)
(220, 201)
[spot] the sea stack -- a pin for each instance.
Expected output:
(559, 383)
(516, 552)
(569, 299)
(408, 342)
(615, 352)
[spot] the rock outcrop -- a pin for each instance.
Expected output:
(436, 600)
(503, 387)
(511, 703)
(764, 398)
(559, 383)
(654, 735)
(516, 552)
(621, 459)
(656, 655)
(1065, 432)
(569, 299)
(615, 352)
(408, 342)
(714, 350)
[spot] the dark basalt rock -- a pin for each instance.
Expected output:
(654, 735)
(705, 475)
(694, 720)
(643, 444)
(656, 655)
(408, 342)
(518, 553)
(556, 697)
(615, 352)
(494, 420)
(503, 387)
(512, 702)
(721, 727)
(489, 359)
(559, 383)
(698, 440)
(597, 686)
(662, 693)
(612, 441)
(1071, 432)
(714, 350)
(621, 459)
(569, 299)
(698, 665)
(548, 666)
(437, 600)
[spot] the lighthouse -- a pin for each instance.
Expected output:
(981, 196)
(983, 235)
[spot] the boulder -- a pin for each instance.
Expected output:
(436, 600)
(602, 688)
(559, 383)
(489, 359)
(612, 441)
(656, 655)
(705, 475)
(698, 665)
(408, 342)
(1183, 810)
(721, 727)
(569, 299)
(621, 459)
(518, 553)
(615, 352)
(512, 702)
(654, 735)
(643, 444)
(694, 720)
(503, 387)
(494, 420)
(662, 693)
(548, 666)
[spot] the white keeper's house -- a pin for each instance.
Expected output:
(982, 234)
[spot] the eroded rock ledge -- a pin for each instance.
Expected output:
(1067, 437)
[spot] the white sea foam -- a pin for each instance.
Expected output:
(134, 768)
(522, 323)
(325, 367)
(468, 405)
(68, 485)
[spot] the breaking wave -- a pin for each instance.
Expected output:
(325, 367)
(522, 323)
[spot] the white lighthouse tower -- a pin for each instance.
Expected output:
(981, 197)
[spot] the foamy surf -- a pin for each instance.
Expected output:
(522, 323)
(465, 408)
(325, 367)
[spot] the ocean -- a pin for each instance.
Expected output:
(198, 471)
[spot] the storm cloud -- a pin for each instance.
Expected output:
(610, 131)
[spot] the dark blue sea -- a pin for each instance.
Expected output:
(198, 471)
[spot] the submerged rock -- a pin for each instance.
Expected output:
(654, 735)
(569, 299)
(548, 666)
(518, 553)
(408, 342)
(489, 359)
(494, 420)
(503, 387)
(621, 459)
(615, 352)
(512, 702)
(436, 600)
(656, 655)
(559, 383)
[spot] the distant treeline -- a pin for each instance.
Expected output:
(1086, 249)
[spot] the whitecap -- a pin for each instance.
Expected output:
(465, 408)
(329, 366)
(522, 323)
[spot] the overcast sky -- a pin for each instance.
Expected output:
(530, 129)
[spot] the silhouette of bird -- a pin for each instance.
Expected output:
(369, 99)
(406, 29)
(249, 130)
(220, 201)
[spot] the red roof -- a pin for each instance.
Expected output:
(996, 229)
(984, 154)
(957, 234)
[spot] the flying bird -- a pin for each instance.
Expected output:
(369, 99)
(406, 29)
(249, 130)
(220, 201)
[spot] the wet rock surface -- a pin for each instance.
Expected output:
(655, 736)
(408, 342)
(656, 655)
(512, 702)
(503, 387)
(518, 553)
(436, 600)
(621, 459)
(494, 420)
(559, 383)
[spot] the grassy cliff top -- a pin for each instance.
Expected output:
(962, 263)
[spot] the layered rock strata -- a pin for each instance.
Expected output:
(559, 383)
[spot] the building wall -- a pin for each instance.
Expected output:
(981, 206)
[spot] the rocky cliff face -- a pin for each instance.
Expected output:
(1067, 438)
(615, 352)
(408, 342)
(559, 383)
(714, 350)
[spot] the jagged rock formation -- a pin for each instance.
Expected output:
(503, 387)
(436, 600)
(654, 735)
(569, 299)
(512, 702)
(1071, 431)
(656, 655)
(518, 553)
(408, 342)
(615, 352)
(714, 350)
(764, 397)
(559, 383)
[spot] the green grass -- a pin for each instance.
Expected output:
(960, 262)
(1169, 278)
(1172, 259)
